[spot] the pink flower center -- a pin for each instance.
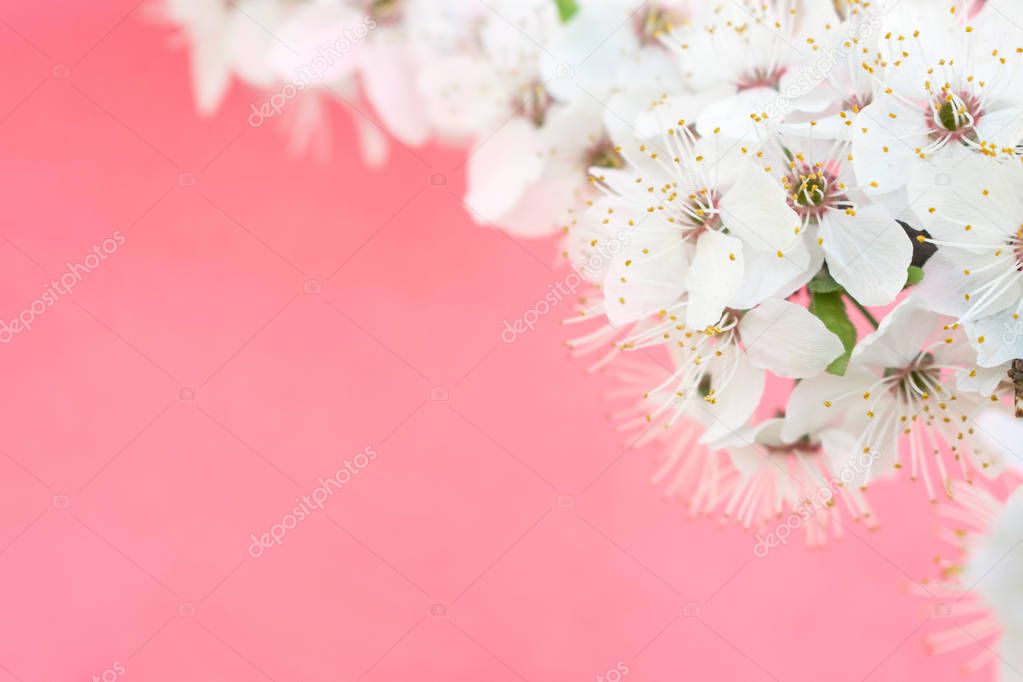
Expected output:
(857, 102)
(655, 22)
(699, 213)
(953, 116)
(761, 78)
(814, 189)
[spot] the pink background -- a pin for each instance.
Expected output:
(126, 507)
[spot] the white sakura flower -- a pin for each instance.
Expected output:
(741, 50)
(952, 87)
(379, 56)
(532, 174)
(705, 223)
(310, 47)
(228, 40)
(465, 94)
(976, 218)
(532, 163)
(795, 479)
(719, 373)
(981, 588)
(867, 251)
(619, 46)
(900, 399)
(824, 95)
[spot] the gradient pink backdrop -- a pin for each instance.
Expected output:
(197, 382)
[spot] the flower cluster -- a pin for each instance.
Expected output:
(821, 199)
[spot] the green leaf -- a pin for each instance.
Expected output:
(566, 9)
(824, 283)
(830, 308)
(915, 276)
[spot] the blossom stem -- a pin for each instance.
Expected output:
(866, 313)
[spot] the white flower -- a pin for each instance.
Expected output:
(952, 87)
(867, 251)
(719, 373)
(705, 223)
(799, 479)
(741, 50)
(535, 143)
(900, 400)
(379, 56)
(531, 175)
(278, 45)
(975, 213)
(619, 46)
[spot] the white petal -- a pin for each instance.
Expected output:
(868, 253)
(788, 340)
(883, 146)
(734, 403)
(309, 32)
(649, 275)
(997, 339)
(542, 209)
(688, 107)
(849, 465)
(746, 447)
(211, 74)
(966, 200)
(756, 211)
(897, 342)
(714, 277)
(1004, 434)
(808, 411)
(372, 142)
(946, 286)
(983, 381)
(501, 169)
(767, 276)
(1001, 128)
(390, 87)
(732, 115)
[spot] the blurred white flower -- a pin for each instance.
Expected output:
(803, 479)
(981, 588)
